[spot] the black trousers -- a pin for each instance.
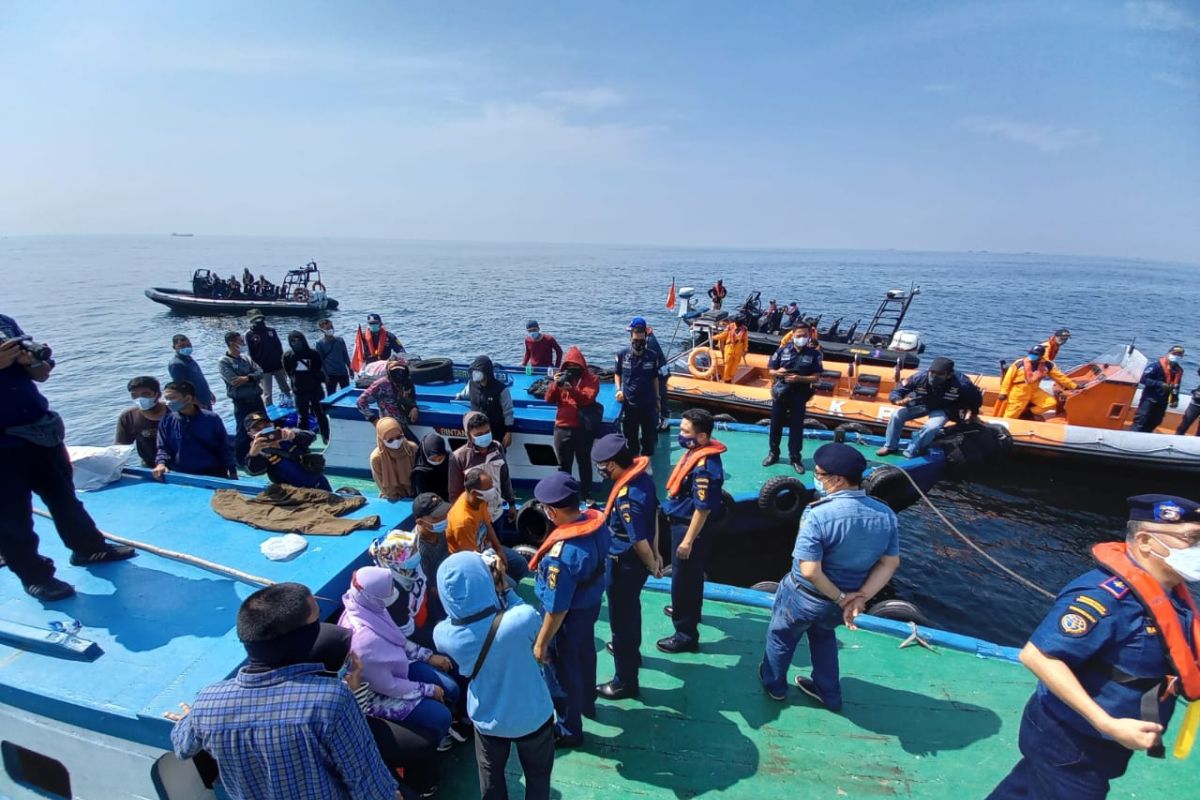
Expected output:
(241, 440)
(1149, 415)
(406, 751)
(687, 579)
(311, 404)
(536, 752)
(789, 409)
(639, 426)
(1190, 415)
(625, 615)
(574, 446)
(335, 382)
(26, 469)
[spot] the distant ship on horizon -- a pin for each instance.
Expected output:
(183, 234)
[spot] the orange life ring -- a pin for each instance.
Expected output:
(300, 295)
(698, 372)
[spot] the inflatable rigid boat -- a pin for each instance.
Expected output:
(301, 294)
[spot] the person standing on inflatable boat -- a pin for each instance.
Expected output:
(1112, 657)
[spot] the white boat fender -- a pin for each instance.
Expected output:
(284, 548)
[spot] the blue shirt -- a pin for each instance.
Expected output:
(20, 401)
(185, 368)
(1098, 623)
(848, 533)
(288, 733)
(197, 444)
(638, 373)
(701, 489)
(634, 515)
(799, 360)
(574, 573)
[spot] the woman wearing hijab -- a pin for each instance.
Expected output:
(398, 553)
(432, 472)
(303, 366)
(409, 683)
(394, 394)
(393, 460)
(491, 397)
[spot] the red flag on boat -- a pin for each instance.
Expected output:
(360, 347)
(671, 295)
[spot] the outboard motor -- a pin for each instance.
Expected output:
(906, 342)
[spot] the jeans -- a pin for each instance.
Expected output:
(687, 580)
(430, 717)
(795, 613)
(280, 377)
(518, 567)
(1149, 415)
(1189, 416)
(573, 657)
(921, 439)
(789, 408)
(241, 439)
(642, 417)
(574, 445)
(625, 615)
(30, 468)
(335, 382)
(1058, 761)
(536, 753)
(311, 404)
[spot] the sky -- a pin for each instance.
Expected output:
(1066, 127)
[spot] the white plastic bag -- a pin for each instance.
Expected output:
(98, 466)
(283, 548)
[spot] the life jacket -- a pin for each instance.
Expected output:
(1035, 376)
(1051, 349)
(1170, 377)
(1184, 657)
(589, 523)
(688, 463)
(375, 346)
(637, 468)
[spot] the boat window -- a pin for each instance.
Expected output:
(36, 771)
(1116, 410)
(541, 455)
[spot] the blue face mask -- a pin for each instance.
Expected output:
(483, 439)
(1034, 357)
(185, 351)
(819, 487)
(375, 327)
(687, 442)
(440, 527)
(535, 335)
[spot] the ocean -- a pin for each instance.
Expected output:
(84, 296)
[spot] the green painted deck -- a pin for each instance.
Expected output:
(915, 724)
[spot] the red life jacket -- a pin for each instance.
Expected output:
(1170, 377)
(589, 523)
(1184, 657)
(1035, 376)
(375, 346)
(637, 468)
(689, 461)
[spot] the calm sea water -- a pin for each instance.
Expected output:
(83, 295)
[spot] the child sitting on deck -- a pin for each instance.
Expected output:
(409, 683)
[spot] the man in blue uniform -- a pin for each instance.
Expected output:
(636, 377)
(938, 393)
(693, 497)
(794, 368)
(633, 519)
(847, 549)
(1160, 388)
(571, 568)
(1107, 657)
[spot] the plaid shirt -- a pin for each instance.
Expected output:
(290, 733)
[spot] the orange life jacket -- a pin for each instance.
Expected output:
(689, 461)
(589, 523)
(1185, 658)
(1051, 348)
(637, 468)
(1171, 378)
(375, 346)
(1035, 376)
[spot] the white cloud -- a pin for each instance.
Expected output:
(594, 99)
(1161, 15)
(1047, 138)
(1176, 80)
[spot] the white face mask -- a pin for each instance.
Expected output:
(476, 375)
(145, 403)
(1186, 562)
(801, 341)
(394, 444)
(327, 331)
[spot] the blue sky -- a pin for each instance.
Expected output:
(1047, 126)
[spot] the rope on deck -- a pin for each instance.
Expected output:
(1011, 573)
(186, 558)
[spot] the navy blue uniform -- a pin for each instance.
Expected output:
(638, 373)
(789, 401)
(1158, 391)
(1101, 631)
(634, 519)
(701, 489)
(281, 462)
(572, 577)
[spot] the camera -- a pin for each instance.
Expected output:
(270, 434)
(39, 350)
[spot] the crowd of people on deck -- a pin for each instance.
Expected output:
(434, 644)
(249, 288)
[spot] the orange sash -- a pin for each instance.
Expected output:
(637, 468)
(689, 462)
(375, 348)
(1186, 659)
(1035, 376)
(589, 523)
(1170, 377)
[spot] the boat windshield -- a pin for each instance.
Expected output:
(1124, 364)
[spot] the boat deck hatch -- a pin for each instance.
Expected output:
(36, 771)
(1116, 411)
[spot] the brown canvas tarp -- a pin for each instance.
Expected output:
(291, 509)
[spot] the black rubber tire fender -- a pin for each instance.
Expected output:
(853, 427)
(783, 497)
(889, 484)
(770, 587)
(901, 610)
(532, 524)
(431, 370)
(526, 551)
(603, 374)
(814, 424)
(765, 422)
(723, 418)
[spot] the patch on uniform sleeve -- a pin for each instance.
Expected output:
(552, 576)
(625, 515)
(1115, 586)
(1083, 613)
(556, 551)
(1151, 630)
(624, 491)
(1073, 624)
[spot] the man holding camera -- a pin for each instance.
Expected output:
(282, 453)
(33, 458)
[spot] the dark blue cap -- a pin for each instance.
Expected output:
(609, 447)
(1165, 509)
(373, 318)
(559, 490)
(637, 322)
(530, 324)
(840, 459)
(1038, 350)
